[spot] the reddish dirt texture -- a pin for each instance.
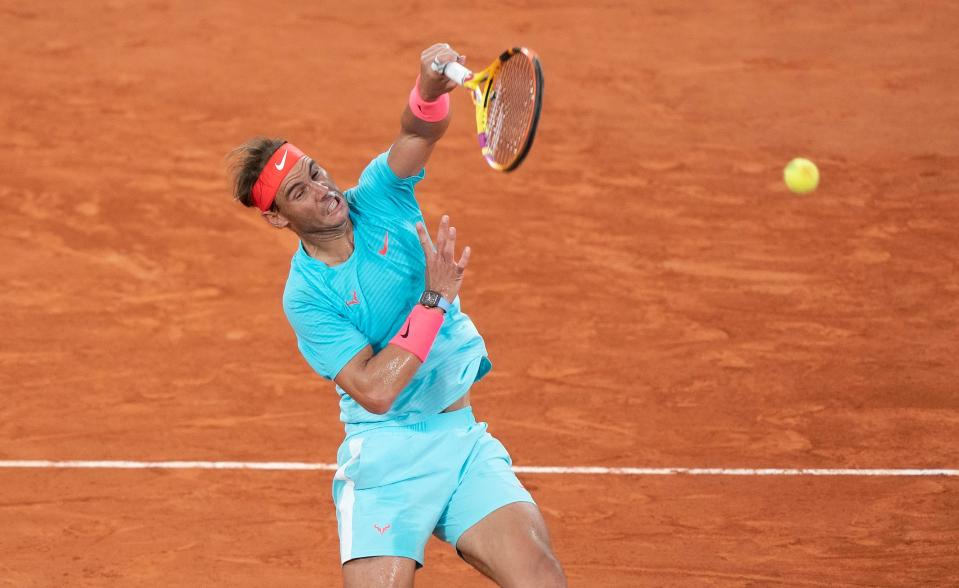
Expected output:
(650, 293)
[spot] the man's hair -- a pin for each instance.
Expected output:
(246, 163)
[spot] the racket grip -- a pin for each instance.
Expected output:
(453, 71)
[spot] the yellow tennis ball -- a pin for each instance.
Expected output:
(801, 176)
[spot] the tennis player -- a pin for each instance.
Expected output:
(373, 302)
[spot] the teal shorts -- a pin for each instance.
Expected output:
(397, 484)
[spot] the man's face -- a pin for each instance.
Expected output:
(310, 201)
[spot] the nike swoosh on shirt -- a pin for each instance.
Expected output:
(406, 333)
(282, 163)
(386, 244)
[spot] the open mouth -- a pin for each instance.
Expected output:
(336, 199)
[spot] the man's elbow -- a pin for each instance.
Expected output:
(376, 400)
(368, 387)
(378, 406)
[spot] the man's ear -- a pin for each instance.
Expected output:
(276, 220)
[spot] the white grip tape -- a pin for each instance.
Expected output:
(453, 71)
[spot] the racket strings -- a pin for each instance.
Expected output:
(511, 109)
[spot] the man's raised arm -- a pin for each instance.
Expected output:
(426, 115)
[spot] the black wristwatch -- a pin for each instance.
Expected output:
(431, 299)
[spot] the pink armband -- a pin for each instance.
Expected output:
(419, 331)
(429, 111)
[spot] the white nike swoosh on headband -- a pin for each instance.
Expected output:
(282, 163)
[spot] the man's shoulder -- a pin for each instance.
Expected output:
(302, 291)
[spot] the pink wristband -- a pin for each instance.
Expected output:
(419, 331)
(429, 111)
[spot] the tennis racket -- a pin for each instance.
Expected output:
(508, 96)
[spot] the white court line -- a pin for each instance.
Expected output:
(300, 466)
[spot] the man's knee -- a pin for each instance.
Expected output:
(542, 571)
(549, 572)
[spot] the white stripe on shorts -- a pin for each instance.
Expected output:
(346, 501)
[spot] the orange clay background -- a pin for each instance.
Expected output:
(650, 293)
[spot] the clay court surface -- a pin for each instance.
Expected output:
(650, 293)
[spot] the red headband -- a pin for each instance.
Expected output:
(280, 164)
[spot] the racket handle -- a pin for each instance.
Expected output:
(453, 71)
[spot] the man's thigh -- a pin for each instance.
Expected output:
(379, 572)
(511, 546)
(488, 485)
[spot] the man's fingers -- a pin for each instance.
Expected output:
(436, 47)
(441, 48)
(464, 259)
(450, 245)
(447, 56)
(440, 53)
(441, 233)
(433, 50)
(424, 240)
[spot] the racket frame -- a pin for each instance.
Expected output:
(480, 85)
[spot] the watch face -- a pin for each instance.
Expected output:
(430, 298)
